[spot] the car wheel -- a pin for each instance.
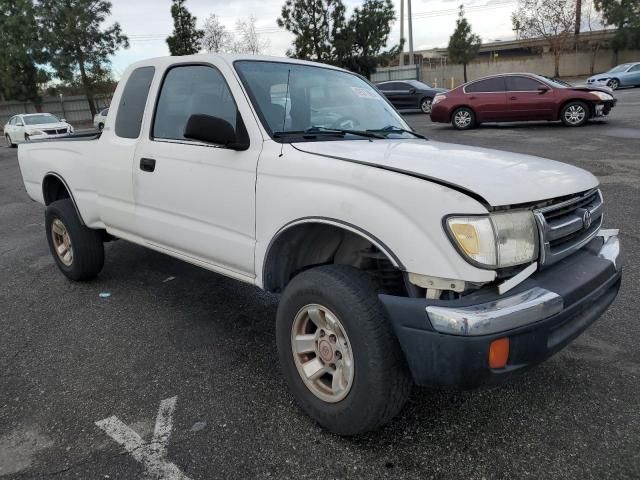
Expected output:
(575, 114)
(338, 352)
(613, 84)
(77, 250)
(463, 118)
(426, 104)
(10, 143)
(100, 126)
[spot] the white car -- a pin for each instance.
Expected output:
(399, 259)
(100, 118)
(34, 126)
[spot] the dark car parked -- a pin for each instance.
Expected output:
(410, 94)
(518, 97)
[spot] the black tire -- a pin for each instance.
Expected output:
(10, 143)
(100, 126)
(426, 103)
(575, 113)
(463, 118)
(86, 244)
(613, 84)
(381, 382)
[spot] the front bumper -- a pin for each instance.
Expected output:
(446, 342)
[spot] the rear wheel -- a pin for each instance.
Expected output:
(426, 104)
(574, 114)
(463, 118)
(338, 352)
(613, 84)
(77, 250)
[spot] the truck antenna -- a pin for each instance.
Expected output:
(284, 116)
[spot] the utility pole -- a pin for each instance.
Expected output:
(578, 15)
(402, 32)
(410, 33)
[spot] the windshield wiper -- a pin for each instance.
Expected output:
(393, 129)
(318, 130)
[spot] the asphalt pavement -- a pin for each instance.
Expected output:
(174, 348)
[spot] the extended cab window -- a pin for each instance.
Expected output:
(133, 101)
(486, 86)
(189, 90)
(523, 84)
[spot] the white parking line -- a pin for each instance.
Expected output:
(153, 454)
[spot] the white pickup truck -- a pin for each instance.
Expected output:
(400, 260)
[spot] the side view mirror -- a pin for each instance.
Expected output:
(209, 129)
(542, 90)
(63, 120)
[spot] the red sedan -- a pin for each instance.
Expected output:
(518, 97)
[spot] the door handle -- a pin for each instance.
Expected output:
(513, 98)
(147, 164)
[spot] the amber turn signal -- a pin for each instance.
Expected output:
(499, 353)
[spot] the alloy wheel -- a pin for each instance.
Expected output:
(425, 106)
(613, 84)
(62, 242)
(463, 119)
(575, 114)
(322, 353)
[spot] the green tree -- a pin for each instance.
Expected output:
(360, 46)
(20, 75)
(186, 38)
(315, 24)
(463, 44)
(625, 16)
(76, 45)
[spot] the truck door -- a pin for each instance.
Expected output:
(193, 199)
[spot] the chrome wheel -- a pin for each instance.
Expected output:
(425, 106)
(575, 114)
(62, 242)
(462, 118)
(322, 353)
(613, 84)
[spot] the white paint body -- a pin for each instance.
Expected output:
(17, 127)
(221, 208)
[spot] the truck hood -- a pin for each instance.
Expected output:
(500, 178)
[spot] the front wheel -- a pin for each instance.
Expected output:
(574, 114)
(10, 143)
(77, 250)
(613, 84)
(426, 104)
(463, 119)
(338, 351)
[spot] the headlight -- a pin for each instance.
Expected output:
(497, 240)
(602, 96)
(36, 132)
(438, 98)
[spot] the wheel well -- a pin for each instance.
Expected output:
(312, 244)
(581, 100)
(53, 188)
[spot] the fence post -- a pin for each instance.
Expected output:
(64, 114)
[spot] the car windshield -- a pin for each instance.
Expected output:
(418, 84)
(40, 119)
(619, 68)
(318, 103)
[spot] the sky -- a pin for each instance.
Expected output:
(149, 22)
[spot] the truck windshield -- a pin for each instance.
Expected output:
(296, 100)
(40, 119)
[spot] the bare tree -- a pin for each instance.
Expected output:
(593, 21)
(553, 20)
(216, 37)
(248, 39)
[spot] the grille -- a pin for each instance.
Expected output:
(58, 131)
(569, 225)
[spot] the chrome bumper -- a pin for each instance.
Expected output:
(512, 311)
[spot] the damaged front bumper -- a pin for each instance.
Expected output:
(447, 342)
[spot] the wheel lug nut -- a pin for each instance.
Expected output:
(332, 338)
